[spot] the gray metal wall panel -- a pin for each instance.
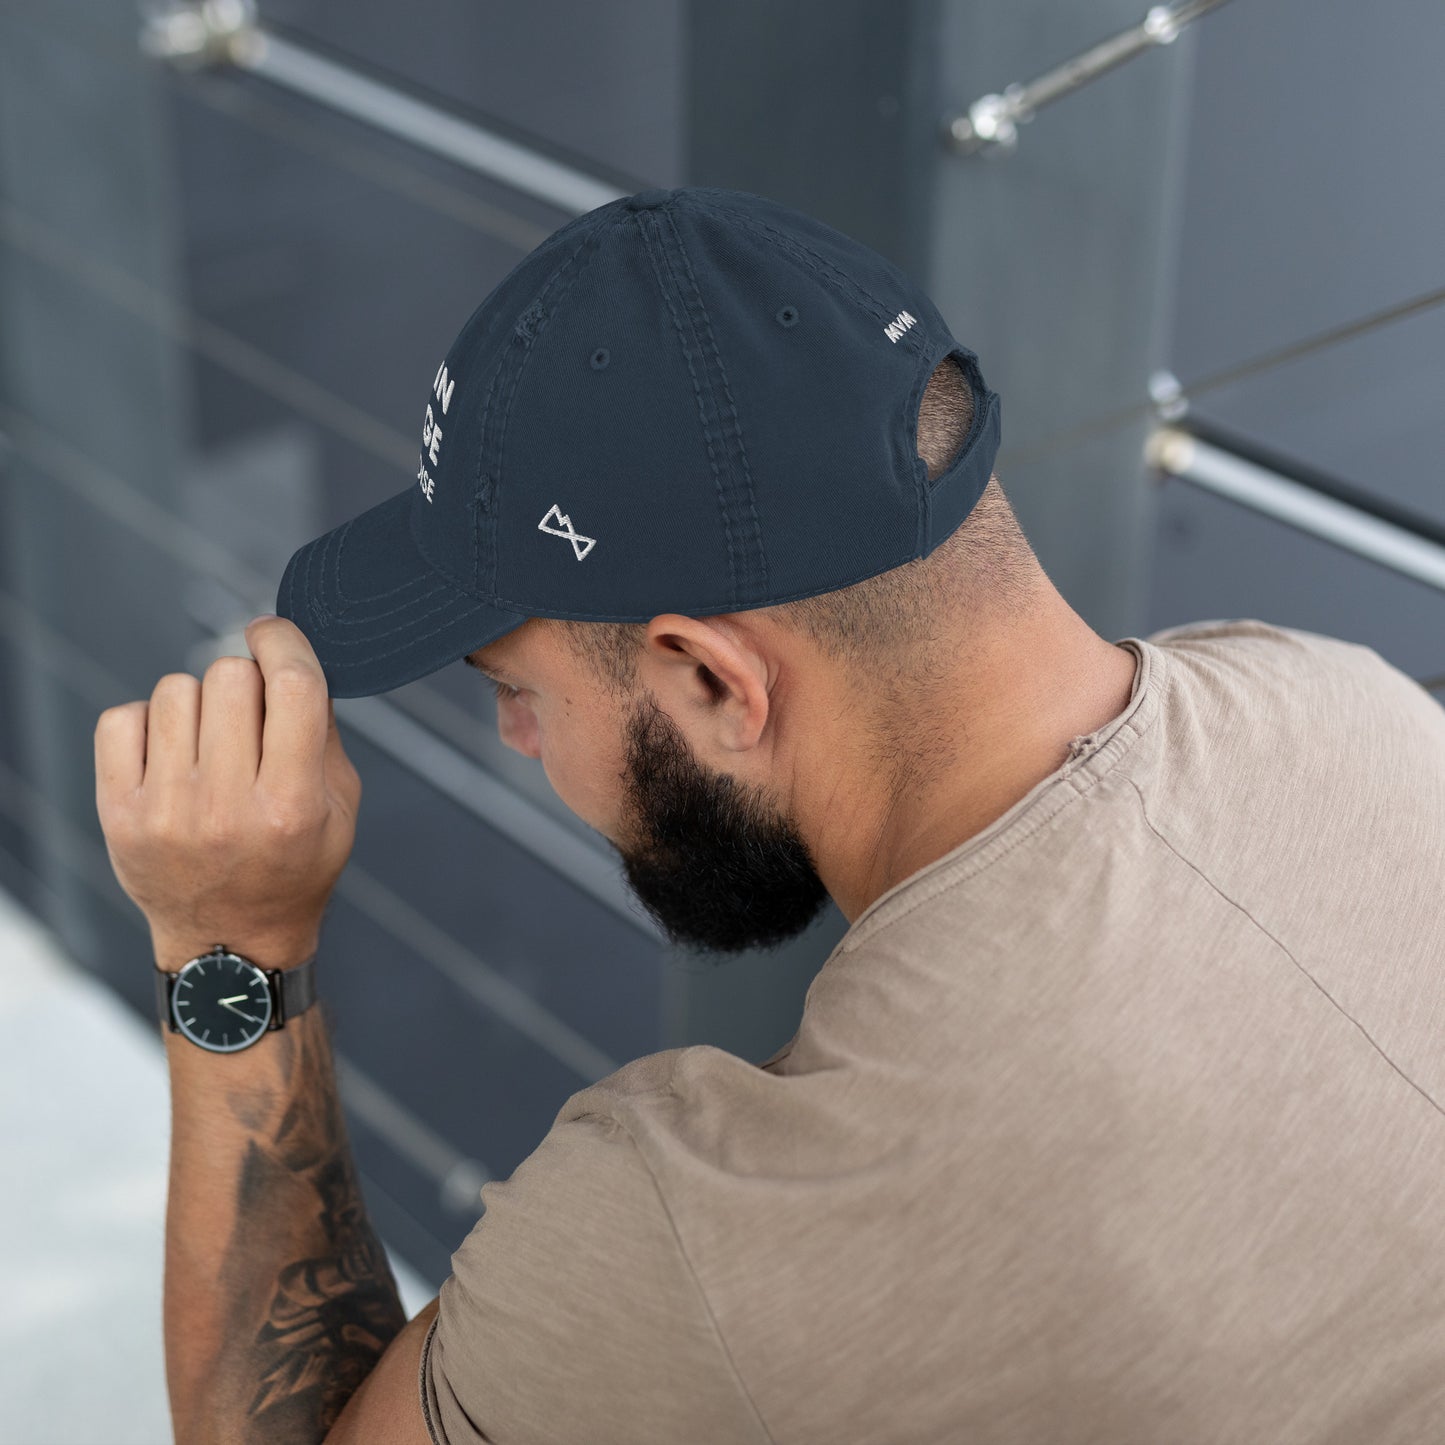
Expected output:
(1309, 204)
(1310, 194)
(817, 104)
(1368, 411)
(1216, 559)
(1312, 126)
(1053, 264)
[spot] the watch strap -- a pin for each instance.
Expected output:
(164, 979)
(296, 992)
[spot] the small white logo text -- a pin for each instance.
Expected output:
(898, 326)
(431, 434)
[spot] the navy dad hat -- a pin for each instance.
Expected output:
(692, 400)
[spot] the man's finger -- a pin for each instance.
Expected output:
(231, 708)
(293, 739)
(172, 724)
(120, 753)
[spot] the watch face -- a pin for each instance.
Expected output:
(221, 1002)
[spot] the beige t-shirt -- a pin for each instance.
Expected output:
(1119, 1123)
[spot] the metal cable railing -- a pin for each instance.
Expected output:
(227, 32)
(1177, 453)
(991, 123)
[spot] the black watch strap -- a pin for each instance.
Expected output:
(297, 991)
(164, 979)
(296, 994)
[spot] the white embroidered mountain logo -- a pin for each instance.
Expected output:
(572, 536)
(898, 326)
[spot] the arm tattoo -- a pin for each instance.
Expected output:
(320, 1325)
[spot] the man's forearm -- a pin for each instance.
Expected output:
(278, 1296)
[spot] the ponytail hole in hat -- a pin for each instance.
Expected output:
(788, 316)
(600, 358)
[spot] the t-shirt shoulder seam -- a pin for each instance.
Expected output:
(1254, 922)
(722, 1343)
(421, 1381)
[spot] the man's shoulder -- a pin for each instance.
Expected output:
(1284, 658)
(1270, 641)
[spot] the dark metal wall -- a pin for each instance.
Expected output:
(220, 303)
(1310, 204)
(1226, 209)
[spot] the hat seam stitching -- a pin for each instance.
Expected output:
(530, 338)
(332, 641)
(749, 492)
(487, 422)
(438, 584)
(468, 604)
(327, 577)
(648, 246)
(860, 296)
(824, 268)
(345, 602)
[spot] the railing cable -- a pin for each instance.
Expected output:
(991, 123)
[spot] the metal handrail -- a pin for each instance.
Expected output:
(227, 32)
(1178, 453)
(991, 123)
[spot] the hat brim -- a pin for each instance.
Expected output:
(375, 611)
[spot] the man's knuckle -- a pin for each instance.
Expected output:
(176, 684)
(113, 717)
(287, 819)
(165, 822)
(118, 821)
(298, 682)
(232, 669)
(214, 824)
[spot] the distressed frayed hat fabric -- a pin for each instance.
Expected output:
(693, 400)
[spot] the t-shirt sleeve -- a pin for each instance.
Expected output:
(572, 1313)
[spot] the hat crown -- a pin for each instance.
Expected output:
(691, 400)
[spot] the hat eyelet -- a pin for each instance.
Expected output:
(600, 358)
(788, 316)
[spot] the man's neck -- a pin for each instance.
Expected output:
(1010, 724)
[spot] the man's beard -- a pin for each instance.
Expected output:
(710, 858)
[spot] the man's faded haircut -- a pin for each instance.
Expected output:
(880, 627)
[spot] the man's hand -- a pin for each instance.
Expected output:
(229, 809)
(229, 805)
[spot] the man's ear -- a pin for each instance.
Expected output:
(710, 672)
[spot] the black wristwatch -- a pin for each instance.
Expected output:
(223, 1002)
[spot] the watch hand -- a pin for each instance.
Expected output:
(234, 998)
(226, 1003)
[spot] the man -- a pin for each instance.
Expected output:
(1115, 1116)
